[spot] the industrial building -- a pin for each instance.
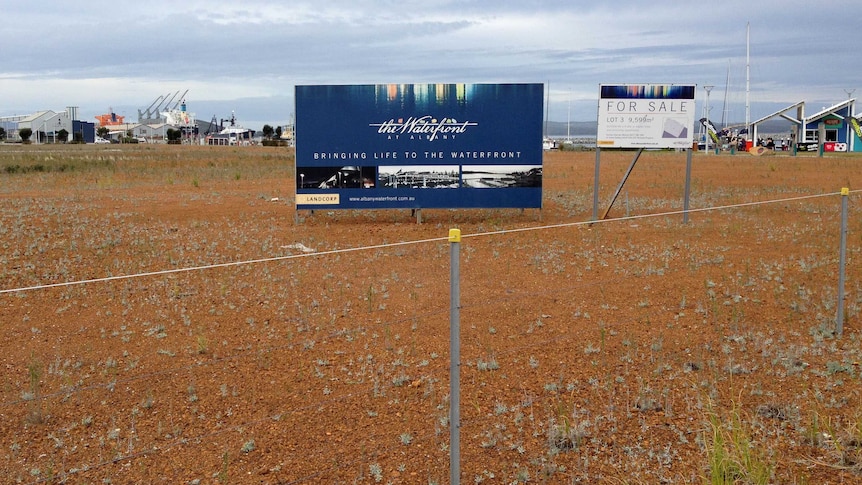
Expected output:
(152, 125)
(46, 126)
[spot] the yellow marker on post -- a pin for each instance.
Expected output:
(844, 191)
(454, 235)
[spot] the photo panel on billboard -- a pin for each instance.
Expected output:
(374, 146)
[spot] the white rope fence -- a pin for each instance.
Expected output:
(406, 243)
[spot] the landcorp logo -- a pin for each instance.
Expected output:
(319, 199)
(423, 127)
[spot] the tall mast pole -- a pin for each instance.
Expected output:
(747, 76)
(726, 88)
(547, 107)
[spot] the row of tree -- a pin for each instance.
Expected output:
(60, 136)
(173, 135)
(269, 131)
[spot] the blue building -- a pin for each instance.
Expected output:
(835, 127)
(86, 129)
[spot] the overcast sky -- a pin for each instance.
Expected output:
(247, 56)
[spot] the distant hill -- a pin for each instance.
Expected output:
(557, 129)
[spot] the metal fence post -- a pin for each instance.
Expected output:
(454, 357)
(687, 196)
(842, 262)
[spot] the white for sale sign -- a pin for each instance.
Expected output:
(646, 116)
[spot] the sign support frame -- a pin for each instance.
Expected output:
(686, 196)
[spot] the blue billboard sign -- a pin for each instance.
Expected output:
(415, 146)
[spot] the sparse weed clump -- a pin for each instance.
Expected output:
(732, 455)
(33, 395)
